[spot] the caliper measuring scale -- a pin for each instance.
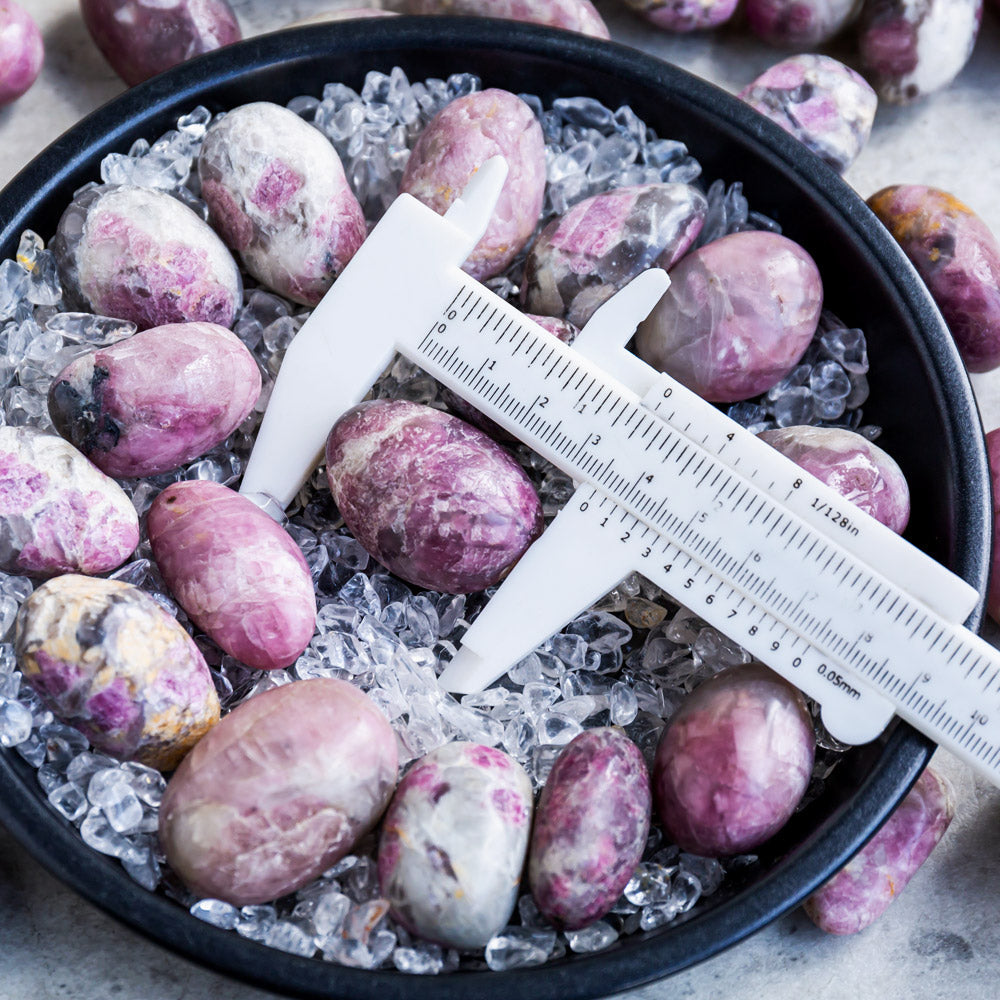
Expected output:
(852, 614)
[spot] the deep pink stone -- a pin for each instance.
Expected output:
(685, 15)
(993, 453)
(800, 24)
(21, 51)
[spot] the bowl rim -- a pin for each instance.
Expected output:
(641, 958)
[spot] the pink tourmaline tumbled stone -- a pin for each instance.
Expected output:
(21, 51)
(590, 828)
(156, 400)
(733, 762)
(58, 513)
(279, 791)
(431, 497)
(737, 317)
(453, 844)
(801, 24)
(237, 574)
(583, 257)
(958, 257)
(828, 107)
(857, 469)
(108, 660)
(911, 49)
(143, 256)
(456, 143)
(861, 891)
(684, 15)
(141, 38)
(572, 15)
(277, 193)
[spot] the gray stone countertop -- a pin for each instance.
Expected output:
(940, 939)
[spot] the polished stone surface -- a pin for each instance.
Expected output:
(940, 939)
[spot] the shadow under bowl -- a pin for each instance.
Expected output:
(920, 395)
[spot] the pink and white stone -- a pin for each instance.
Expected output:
(861, 891)
(109, 661)
(590, 828)
(801, 24)
(453, 844)
(737, 317)
(572, 15)
(342, 14)
(236, 573)
(22, 51)
(143, 256)
(58, 513)
(685, 15)
(279, 791)
(456, 143)
(157, 400)
(849, 463)
(429, 496)
(910, 48)
(141, 38)
(278, 196)
(733, 762)
(582, 258)
(828, 107)
(958, 257)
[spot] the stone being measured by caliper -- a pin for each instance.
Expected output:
(855, 616)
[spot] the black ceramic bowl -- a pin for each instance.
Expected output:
(920, 395)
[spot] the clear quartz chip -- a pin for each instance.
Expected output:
(519, 947)
(15, 722)
(593, 937)
(216, 912)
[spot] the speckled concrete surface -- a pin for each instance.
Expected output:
(940, 939)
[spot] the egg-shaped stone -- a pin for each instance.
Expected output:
(738, 315)
(684, 15)
(429, 496)
(108, 660)
(237, 574)
(733, 762)
(22, 51)
(453, 844)
(959, 259)
(586, 255)
(456, 143)
(857, 469)
(156, 400)
(279, 791)
(58, 513)
(572, 15)
(143, 256)
(801, 24)
(277, 194)
(590, 827)
(828, 107)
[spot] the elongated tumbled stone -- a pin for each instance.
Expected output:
(862, 891)
(684, 15)
(456, 143)
(453, 844)
(279, 791)
(429, 496)
(590, 828)
(108, 660)
(959, 259)
(143, 256)
(582, 258)
(58, 513)
(801, 24)
(236, 573)
(573, 15)
(914, 47)
(858, 470)
(828, 107)
(733, 762)
(156, 400)
(277, 194)
(737, 317)
(141, 38)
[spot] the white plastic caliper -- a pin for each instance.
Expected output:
(852, 614)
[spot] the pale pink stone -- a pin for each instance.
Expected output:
(21, 51)
(573, 15)
(685, 15)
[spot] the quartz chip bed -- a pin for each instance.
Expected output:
(629, 661)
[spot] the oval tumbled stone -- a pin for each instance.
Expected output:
(108, 660)
(58, 513)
